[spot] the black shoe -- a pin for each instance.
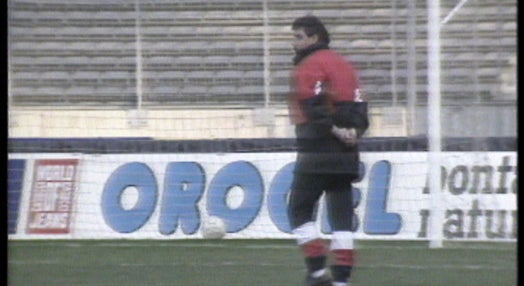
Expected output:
(323, 280)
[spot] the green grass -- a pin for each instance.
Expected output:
(250, 263)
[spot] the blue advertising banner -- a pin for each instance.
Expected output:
(15, 179)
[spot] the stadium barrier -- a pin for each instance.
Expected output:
(166, 190)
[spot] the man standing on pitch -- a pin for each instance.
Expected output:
(329, 116)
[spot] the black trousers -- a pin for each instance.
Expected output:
(306, 190)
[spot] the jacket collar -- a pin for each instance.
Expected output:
(300, 55)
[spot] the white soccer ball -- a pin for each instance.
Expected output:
(213, 228)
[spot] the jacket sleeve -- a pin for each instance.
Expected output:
(309, 79)
(316, 110)
(352, 114)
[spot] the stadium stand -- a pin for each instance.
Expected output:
(84, 52)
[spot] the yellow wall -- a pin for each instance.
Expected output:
(176, 123)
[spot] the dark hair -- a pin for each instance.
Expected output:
(312, 26)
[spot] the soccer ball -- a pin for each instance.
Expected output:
(213, 228)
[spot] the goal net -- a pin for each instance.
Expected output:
(139, 119)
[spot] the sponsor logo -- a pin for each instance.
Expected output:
(51, 202)
(184, 187)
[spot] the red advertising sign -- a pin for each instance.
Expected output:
(51, 203)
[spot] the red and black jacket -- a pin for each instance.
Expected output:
(324, 93)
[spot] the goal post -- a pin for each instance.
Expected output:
(434, 113)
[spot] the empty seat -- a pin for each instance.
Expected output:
(280, 89)
(258, 74)
(510, 26)
(61, 75)
(188, 59)
(164, 75)
(229, 74)
(364, 43)
(49, 90)
(194, 90)
(162, 89)
(242, 59)
(113, 45)
(217, 62)
(30, 75)
(217, 47)
(248, 89)
(223, 89)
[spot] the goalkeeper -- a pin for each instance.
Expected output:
(329, 116)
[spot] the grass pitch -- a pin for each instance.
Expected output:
(250, 263)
